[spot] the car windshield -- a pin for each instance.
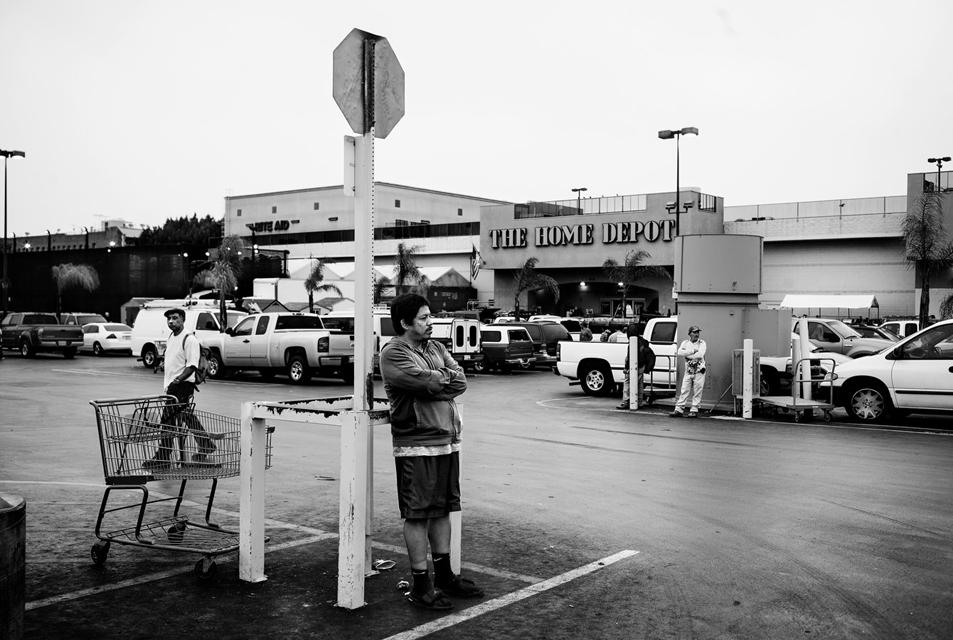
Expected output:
(844, 330)
(117, 327)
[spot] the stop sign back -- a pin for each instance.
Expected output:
(368, 83)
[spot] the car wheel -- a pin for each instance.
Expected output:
(867, 402)
(596, 380)
(97, 349)
(479, 367)
(216, 369)
(26, 349)
(298, 370)
(149, 357)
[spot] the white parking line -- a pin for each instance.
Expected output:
(510, 598)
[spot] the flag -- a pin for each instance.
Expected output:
(475, 262)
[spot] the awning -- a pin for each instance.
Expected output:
(830, 301)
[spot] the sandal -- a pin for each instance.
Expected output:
(461, 587)
(433, 600)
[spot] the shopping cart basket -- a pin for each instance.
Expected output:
(132, 433)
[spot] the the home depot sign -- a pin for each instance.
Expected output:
(583, 234)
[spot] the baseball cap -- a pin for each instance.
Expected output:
(694, 328)
(178, 311)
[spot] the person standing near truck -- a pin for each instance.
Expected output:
(693, 381)
(421, 380)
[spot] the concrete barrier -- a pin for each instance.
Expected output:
(12, 566)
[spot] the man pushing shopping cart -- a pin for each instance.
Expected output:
(181, 362)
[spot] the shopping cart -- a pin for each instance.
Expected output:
(131, 432)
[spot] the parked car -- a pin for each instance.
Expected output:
(506, 347)
(100, 338)
(902, 328)
(916, 375)
(872, 331)
(835, 336)
(461, 337)
(33, 332)
(295, 344)
(545, 336)
(80, 319)
(573, 325)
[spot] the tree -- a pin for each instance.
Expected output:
(184, 230)
(529, 278)
(405, 266)
(313, 283)
(221, 272)
(946, 308)
(927, 248)
(631, 271)
(69, 275)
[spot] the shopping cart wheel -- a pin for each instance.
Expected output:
(99, 552)
(176, 532)
(205, 569)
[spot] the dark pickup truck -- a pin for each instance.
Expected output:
(31, 333)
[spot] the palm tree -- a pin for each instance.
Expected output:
(70, 275)
(927, 248)
(631, 270)
(313, 283)
(405, 266)
(529, 278)
(222, 272)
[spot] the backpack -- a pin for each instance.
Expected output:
(201, 371)
(646, 355)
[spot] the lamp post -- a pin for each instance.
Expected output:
(49, 241)
(578, 191)
(5, 284)
(668, 134)
(939, 165)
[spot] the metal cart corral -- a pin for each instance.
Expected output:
(800, 407)
(130, 433)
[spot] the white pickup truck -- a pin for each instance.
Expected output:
(598, 367)
(296, 344)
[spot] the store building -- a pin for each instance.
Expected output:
(850, 246)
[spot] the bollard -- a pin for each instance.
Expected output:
(12, 566)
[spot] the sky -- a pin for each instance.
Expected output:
(145, 110)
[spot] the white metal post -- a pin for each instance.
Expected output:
(363, 268)
(635, 393)
(251, 530)
(805, 372)
(352, 523)
(747, 376)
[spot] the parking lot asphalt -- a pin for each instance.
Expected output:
(579, 520)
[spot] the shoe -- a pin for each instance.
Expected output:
(692, 414)
(433, 600)
(461, 587)
(202, 459)
(624, 406)
(676, 414)
(156, 464)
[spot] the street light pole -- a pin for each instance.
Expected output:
(5, 283)
(668, 134)
(578, 191)
(939, 165)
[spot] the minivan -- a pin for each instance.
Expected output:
(150, 332)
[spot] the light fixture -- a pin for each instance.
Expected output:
(668, 134)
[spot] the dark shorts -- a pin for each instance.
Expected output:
(428, 486)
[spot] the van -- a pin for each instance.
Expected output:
(150, 332)
(461, 337)
(506, 347)
(902, 328)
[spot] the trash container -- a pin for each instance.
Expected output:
(12, 565)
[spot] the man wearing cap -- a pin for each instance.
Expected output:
(181, 361)
(693, 382)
